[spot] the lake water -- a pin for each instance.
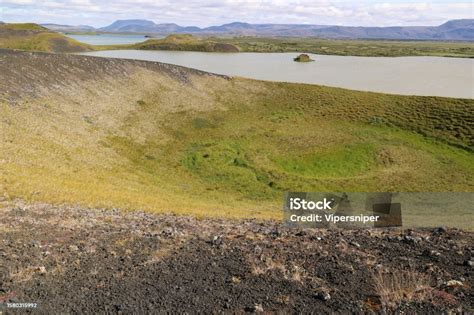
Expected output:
(435, 76)
(109, 39)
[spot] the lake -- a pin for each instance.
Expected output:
(109, 39)
(430, 76)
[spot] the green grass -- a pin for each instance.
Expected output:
(216, 147)
(33, 37)
(368, 48)
(23, 26)
(184, 42)
(262, 165)
(378, 48)
(346, 161)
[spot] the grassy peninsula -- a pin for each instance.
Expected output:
(33, 37)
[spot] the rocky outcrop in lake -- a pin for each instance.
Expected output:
(303, 58)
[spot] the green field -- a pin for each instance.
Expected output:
(377, 48)
(33, 37)
(367, 48)
(181, 43)
(210, 146)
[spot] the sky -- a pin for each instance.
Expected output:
(204, 13)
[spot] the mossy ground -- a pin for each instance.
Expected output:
(374, 48)
(184, 42)
(33, 37)
(211, 146)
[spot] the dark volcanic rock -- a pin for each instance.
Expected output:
(89, 261)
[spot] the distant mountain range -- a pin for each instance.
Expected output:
(451, 30)
(69, 28)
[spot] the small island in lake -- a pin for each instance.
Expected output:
(303, 58)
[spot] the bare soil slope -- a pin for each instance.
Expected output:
(90, 261)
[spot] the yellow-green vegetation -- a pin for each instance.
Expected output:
(22, 27)
(190, 143)
(185, 42)
(303, 58)
(382, 48)
(30, 36)
(373, 48)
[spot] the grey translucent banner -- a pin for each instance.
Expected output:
(379, 209)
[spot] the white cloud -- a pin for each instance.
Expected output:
(212, 12)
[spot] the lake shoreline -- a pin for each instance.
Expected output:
(410, 75)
